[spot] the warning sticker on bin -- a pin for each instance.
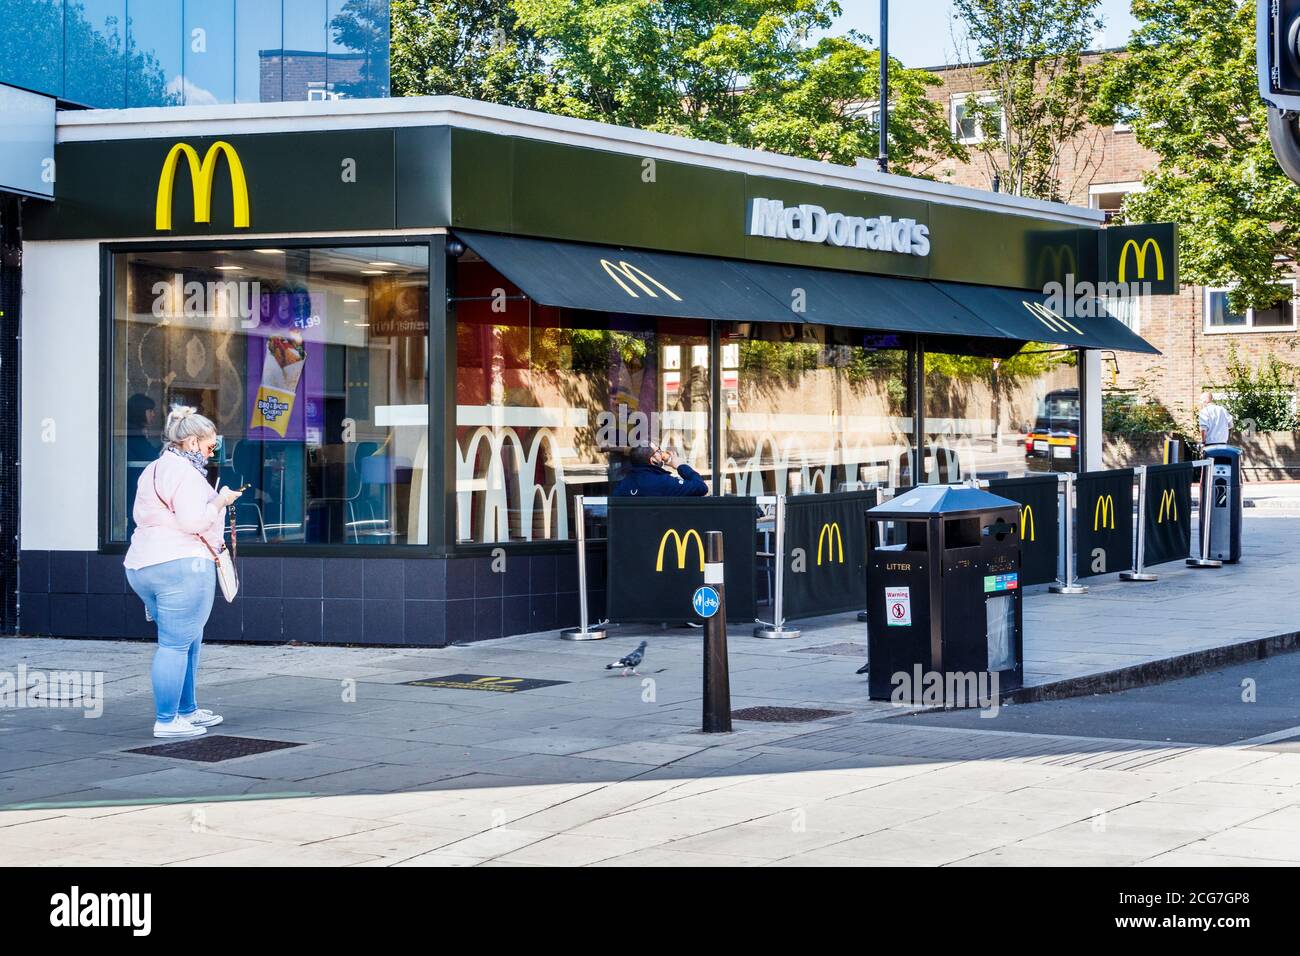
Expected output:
(898, 607)
(1001, 582)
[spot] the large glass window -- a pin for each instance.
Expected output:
(993, 418)
(544, 397)
(313, 363)
(814, 409)
(1280, 316)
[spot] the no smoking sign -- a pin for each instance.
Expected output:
(898, 607)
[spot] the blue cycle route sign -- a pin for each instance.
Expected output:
(705, 601)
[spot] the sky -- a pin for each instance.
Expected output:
(920, 31)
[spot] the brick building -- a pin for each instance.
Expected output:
(1194, 330)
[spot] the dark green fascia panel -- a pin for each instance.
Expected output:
(422, 176)
(549, 190)
(297, 182)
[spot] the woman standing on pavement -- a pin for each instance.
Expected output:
(179, 520)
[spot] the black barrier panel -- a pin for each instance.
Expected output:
(826, 553)
(1168, 519)
(656, 556)
(1104, 518)
(1040, 531)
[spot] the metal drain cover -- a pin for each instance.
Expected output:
(842, 648)
(212, 749)
(785, 715)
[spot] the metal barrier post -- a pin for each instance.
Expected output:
(777, 628)
(885, 494)
(1071, 584)
(1203, 561)
(717, 679)
(1139, 572)
(583, 632)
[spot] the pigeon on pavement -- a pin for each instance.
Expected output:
(630, 662)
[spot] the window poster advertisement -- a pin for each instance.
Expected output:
(286, 356)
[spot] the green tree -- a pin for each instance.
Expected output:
(825, 108)
(472, 48)
(674, 66)
(1260, 397)
(1188, 88)
(729, 71)
(1031, 62)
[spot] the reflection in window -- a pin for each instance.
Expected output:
(209, 51)
(153, 49)
(258, 41)
(544, 395)
(313, 365)
(814, 409)
(995, 418)
(358, 48)
(303, 56)
(96, 45)
(31, 46)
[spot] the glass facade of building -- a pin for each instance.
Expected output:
(111, 54)
(545, 396)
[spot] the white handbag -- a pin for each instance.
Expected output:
(224, 558)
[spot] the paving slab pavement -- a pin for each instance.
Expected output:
(607, 770)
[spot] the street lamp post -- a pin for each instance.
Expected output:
(882, 161)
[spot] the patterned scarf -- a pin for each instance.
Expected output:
(194, 458)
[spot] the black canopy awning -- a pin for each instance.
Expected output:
(613, 279)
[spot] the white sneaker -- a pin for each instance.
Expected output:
(177, 727)
(203, 718)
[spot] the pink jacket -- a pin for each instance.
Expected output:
(165, 534)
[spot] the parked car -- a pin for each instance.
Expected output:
(1055, 435)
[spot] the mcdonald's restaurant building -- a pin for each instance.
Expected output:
(420, 325)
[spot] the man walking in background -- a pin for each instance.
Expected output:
(1215, 422)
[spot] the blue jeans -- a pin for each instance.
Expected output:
(178, 595)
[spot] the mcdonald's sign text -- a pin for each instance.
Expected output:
(202, 175)
(681, 543)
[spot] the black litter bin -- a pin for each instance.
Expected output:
(1225, 502)
(943, 594)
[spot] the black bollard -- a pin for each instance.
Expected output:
(717, 680)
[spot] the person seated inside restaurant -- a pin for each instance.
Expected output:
(656, 472)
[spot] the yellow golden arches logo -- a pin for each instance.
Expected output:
(1049, 318)
(202, 175)
(638, 277)
(1141, 253)
(1027, 523)
(832, 535)
(1168, 506)
(681, 542)
(1102, 512)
